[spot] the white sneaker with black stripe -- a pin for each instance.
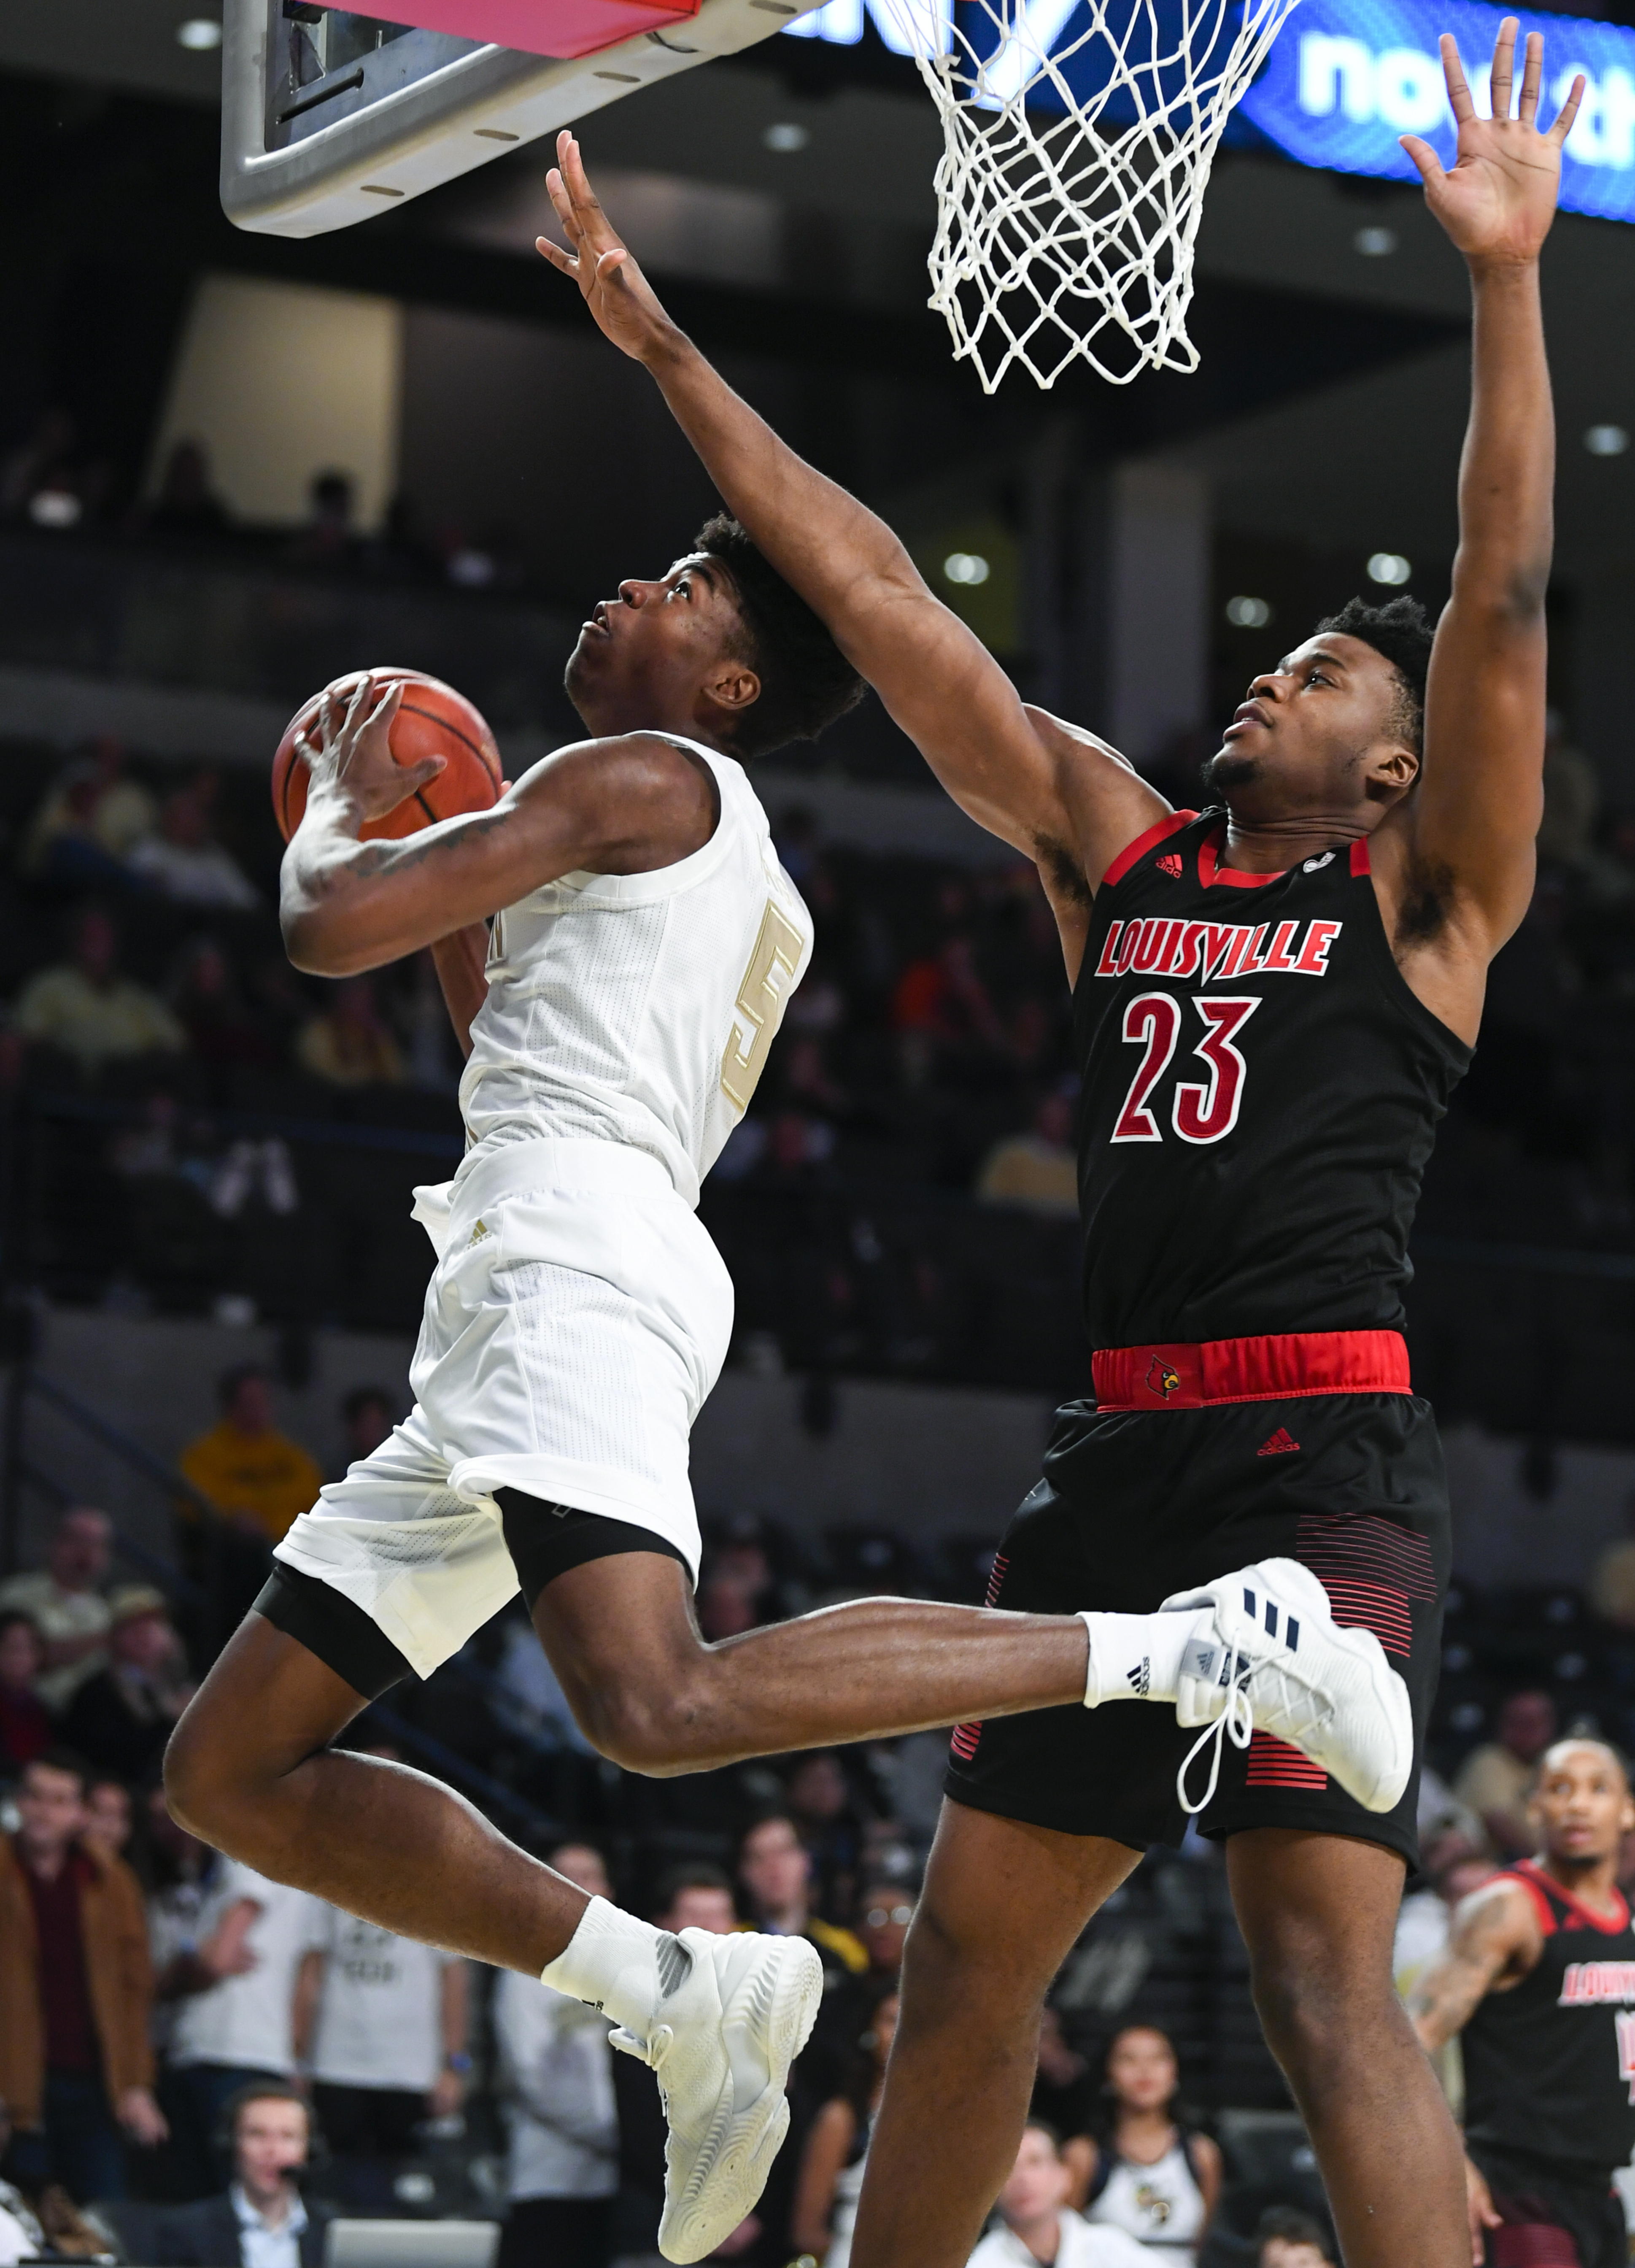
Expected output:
(1274, 1659)
(726, 2030)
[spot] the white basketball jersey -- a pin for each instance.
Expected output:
(639, 1008)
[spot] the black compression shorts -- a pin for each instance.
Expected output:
(1137, 1504)
(544, 1540)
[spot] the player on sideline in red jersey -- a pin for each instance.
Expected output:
(1537, 1983)
(1273, 1002)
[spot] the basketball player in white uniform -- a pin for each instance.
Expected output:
(645, 941)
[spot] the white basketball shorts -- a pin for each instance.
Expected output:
(575, 1321)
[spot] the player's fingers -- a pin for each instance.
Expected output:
(304, 750)
(610, 265)
(387, 706)
(1567, 112)
(1505, 65)
(562, 261)
(557, 190)
(1454, 73)
(1532, 73)
(585, 199)
(1425, 158)
(417, 776)
(357, 706)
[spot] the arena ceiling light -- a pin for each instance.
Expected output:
(1247, 614)
(1388, 567)
(1375, 243)
(1607, 440)
(966, 567)
(786, 136)
(199, 34)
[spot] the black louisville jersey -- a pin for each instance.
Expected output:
(1261, 1090)
(1550, 2064)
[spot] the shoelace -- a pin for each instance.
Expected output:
(1304, 1712)
(1235, 1711)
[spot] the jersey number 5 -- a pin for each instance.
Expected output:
(762, 996)
(1203, 1110)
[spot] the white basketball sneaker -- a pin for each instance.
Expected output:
(722, 2039)
(1274, 1659)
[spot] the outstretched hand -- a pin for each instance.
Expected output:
(353, 748)
(1499, 200)
(616, 293)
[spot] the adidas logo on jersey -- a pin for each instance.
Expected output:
(479, 1232)
(1140, 1678)
(1281, 1443)
(1170, 864)
(1310, 866)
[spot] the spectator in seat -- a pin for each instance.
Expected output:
(26, 1728)
(366, 1419)
(1038, 1170)
(1289, 2238)
(65, 1602)
(110, 1816)
(1150, 2176)
(348, 1044)
(380, 2023)
(1494, 1779)
(86, 1007)
(263, 2221)
(185, 862)
(1612, 1585)
(1036, 2223)
(75, 1993)
(698, 1897)
(562, 2167)
(235, 2027)
(830, 2179)
(247, 1468)
(92, 818)
(774, 1869)
(120, 1717)
(185, 502)
(221, 1032)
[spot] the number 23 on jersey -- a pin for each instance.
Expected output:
(1202, 1110)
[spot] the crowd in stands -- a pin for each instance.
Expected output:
(195, 1120)
(206, 2061)
(54, 481)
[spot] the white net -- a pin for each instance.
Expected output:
(1078, 137)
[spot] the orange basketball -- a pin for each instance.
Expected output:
(432, 720)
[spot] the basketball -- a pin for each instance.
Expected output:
(433, 720)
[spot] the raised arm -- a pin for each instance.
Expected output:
(612, 806)
(1464, 839)
(1058, 795)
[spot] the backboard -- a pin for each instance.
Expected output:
(329, 116)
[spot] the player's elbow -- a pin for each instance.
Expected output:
(316, 941)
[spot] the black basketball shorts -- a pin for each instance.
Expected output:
(1137, 1504)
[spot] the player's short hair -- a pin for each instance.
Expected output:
(1401, 631)
(806, 681)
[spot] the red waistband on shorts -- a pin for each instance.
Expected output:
(1276, 1368)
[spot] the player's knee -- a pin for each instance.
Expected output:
(208, 1781)
(1314, 2018)
(639, 1728)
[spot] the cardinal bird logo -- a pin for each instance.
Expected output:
(1161, 1378)
(1170, 864)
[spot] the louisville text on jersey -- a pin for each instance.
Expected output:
(1587, 1982)
(1207, 950)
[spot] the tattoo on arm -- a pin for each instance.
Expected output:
(1493, 1933)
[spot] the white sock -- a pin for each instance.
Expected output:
(618, 1964)
(1137, 1657)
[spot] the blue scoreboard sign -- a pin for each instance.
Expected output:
(1347, 76)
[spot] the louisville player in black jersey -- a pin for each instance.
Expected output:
(1273, 1001)
(1539, 1981)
